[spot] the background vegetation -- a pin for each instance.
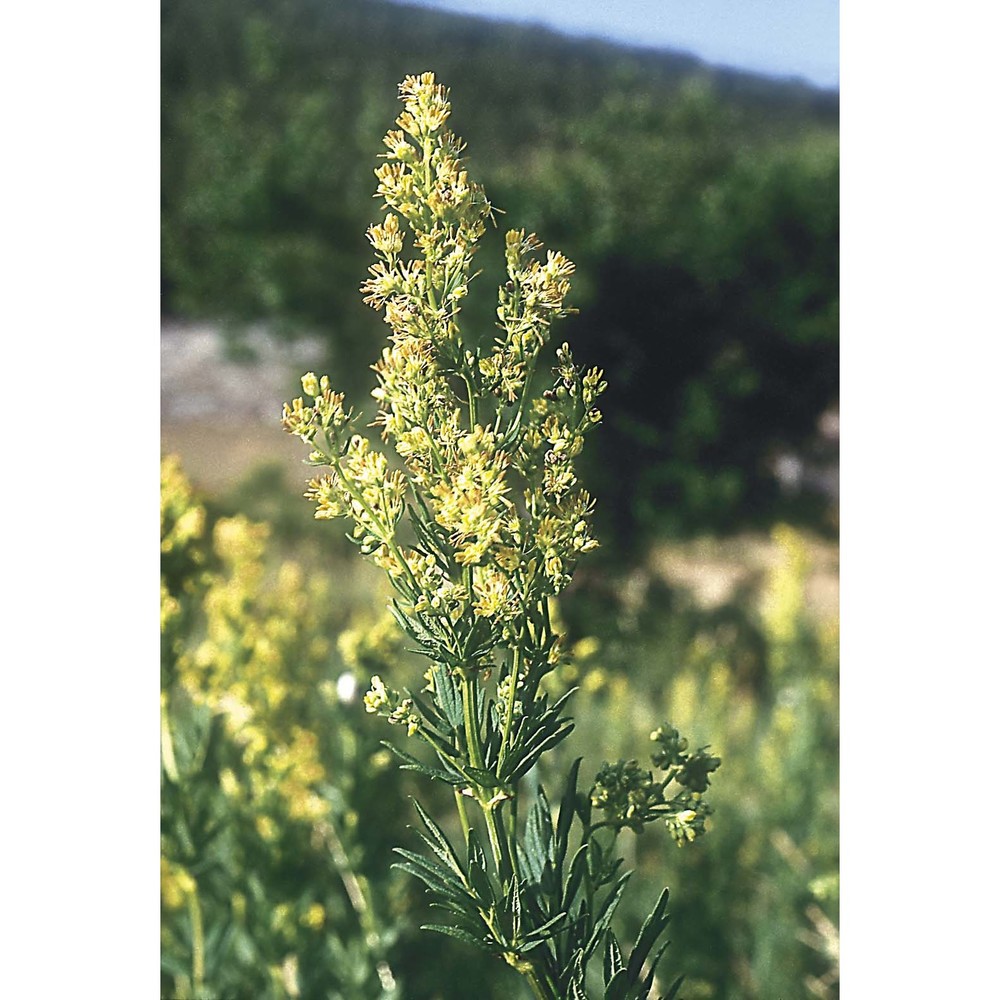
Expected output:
(702, 211)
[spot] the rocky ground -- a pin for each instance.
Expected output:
(221, 413)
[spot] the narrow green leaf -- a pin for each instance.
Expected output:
(512, 906)
(577, 870)
(613, 962)
(447, 852)
(479, 877)
(410, 763)
(529, 759)
(462, 935)
(547, 929)
(474, 847)
(448, 696)
(566, 813)
(424, 528)
(648, 981)
(429, 711)
(538, 835)
(604, 913)
(431, 877)
(464, 913)
(527, 946)
(616, 987)
(485, 779)
(482, 885)
(674, 987)
(651, 929)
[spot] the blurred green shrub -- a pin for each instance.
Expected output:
(756, 903)
(272, 799)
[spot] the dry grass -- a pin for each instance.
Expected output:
(216, 457)
(713, 569)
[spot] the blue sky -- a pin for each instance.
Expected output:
(777, 37)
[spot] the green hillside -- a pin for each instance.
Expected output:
(700, 206)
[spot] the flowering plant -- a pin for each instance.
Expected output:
(479, 525)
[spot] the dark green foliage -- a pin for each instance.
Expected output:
(556, 915)
(260, 872)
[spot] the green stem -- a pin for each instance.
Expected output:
(462, 813)
(429, 278)
(197, 942)
(536, 986)
(541, 984)
(472, 399)
(167, 743)
(472, 737)
(498, 844)
(503, 852)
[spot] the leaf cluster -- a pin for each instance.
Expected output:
(553, 919)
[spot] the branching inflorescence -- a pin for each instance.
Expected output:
(479, 525)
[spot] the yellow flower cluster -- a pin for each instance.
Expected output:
(182, 520)
(176, 884)
(398, 710)
(470, 500)
(255, 632)
(784, 597)
(479, 518)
